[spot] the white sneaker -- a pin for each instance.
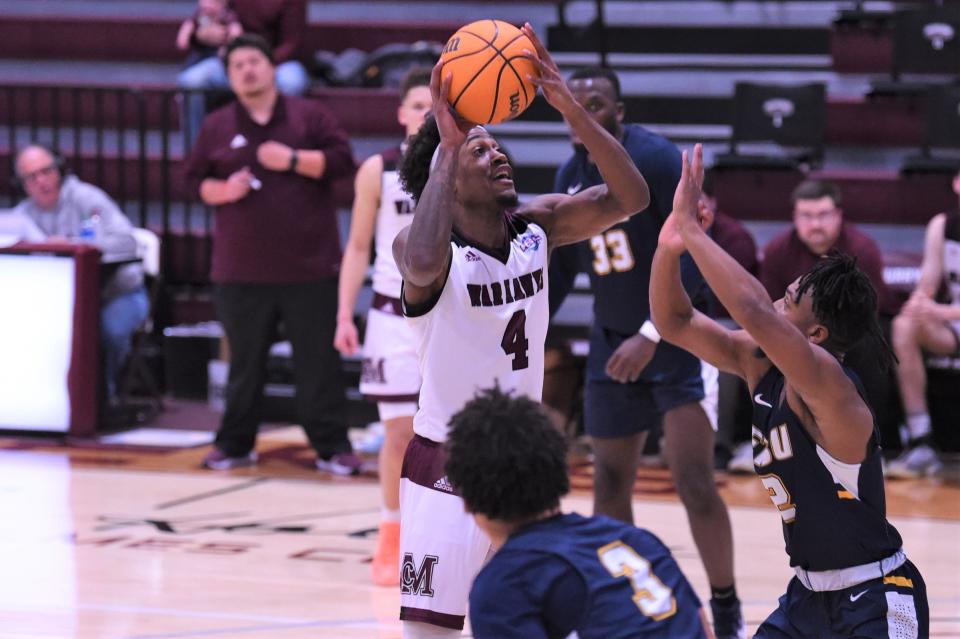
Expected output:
(919, 461)
(742, 460)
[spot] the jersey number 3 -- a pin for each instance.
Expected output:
(515, 340)
(653, 598)
(611, 251)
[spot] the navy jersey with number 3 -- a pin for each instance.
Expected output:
(593, 575)
(834, 514)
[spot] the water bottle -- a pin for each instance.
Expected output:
(90, 229)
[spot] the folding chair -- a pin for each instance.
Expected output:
(942, 131)
(792, 117)
(137, 372)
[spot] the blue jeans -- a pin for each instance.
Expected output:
(209, 73)
(119, 320)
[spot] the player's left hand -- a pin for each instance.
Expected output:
(630, 358)
(274, 156)
(548, 76)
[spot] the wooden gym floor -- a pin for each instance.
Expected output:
(133, 542)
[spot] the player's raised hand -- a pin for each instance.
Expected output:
(453, 129)
(548, 76)
(686, 199)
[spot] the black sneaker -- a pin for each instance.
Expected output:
(728, 619)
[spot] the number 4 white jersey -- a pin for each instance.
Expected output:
(487, 326)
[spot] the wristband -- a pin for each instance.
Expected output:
(649, 331)
(293, 161)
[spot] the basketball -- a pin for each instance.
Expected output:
(489, 83)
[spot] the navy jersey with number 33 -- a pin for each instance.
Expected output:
(593, 575)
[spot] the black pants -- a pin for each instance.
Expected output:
(250, 314)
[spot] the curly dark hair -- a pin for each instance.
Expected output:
(415, 163)
(506, 458)
(845, 302)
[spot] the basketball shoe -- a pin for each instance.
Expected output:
(917, 461)
(216, 459)
(345, 464)
(728, 619)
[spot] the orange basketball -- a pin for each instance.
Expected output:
(489, 83)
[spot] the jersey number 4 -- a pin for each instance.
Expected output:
(515, 340)
(652, 597)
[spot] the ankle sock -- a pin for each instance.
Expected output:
(918, 426)
(724, 596)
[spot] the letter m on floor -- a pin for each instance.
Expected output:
(416, 580)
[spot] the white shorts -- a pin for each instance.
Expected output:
(391, 371)
(441, 547)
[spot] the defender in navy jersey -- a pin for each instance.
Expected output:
(555, 573)
(475, 290)
(815, 442)
(634, 382)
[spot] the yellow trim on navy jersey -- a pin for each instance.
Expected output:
(899, 581)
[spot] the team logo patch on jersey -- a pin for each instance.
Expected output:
(417, 581)
(529, 241)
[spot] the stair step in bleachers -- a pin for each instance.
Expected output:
(150, 39)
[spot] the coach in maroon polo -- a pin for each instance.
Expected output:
(267, 163)
(818, 228)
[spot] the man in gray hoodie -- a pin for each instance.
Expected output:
(66, 209)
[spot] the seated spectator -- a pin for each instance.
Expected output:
(66, 209)
(819, 228)
(282, 24)
(207, 31)
(554, 574)
(925, 325)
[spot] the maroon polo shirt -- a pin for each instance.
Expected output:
(786, 258)
(287, 231)
(734, 238)
(281, 22)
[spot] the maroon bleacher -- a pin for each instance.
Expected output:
(151, 39)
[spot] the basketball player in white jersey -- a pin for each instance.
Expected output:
(390, 377)
(474, 266)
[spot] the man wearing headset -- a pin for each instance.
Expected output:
(65, 209)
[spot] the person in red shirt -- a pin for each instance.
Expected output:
(819, 229)
(267, 163)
